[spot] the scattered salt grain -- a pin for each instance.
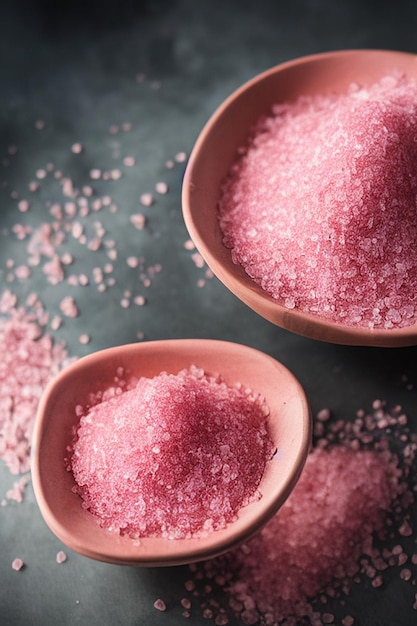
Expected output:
(320, 207)
(146, 199)
(23, 206)
(95, 174)
(129, 161)
(173, 456)
(61, 557)
(68, 307)
(76, 148)
(138, 220)
(29, 360)
(84, 339)
(17, 564)
(160, 605)
(180, 157)
(161, 187)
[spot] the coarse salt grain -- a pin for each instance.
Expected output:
(320, 207)
(174, 456)
(17, 564)
(160, 605)
(61, 557)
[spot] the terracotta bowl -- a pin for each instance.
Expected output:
(289, 424)
(216, 150)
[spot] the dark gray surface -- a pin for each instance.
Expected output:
(74, 67)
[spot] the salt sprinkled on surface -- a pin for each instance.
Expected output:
(320, 209)
(341, 524)
(175, 456)
(29, 360)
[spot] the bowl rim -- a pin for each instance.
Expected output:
(233, 276)
(123, 550)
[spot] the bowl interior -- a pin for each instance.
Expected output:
(290, 427)
(216, 150)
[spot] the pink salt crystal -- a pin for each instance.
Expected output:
(179, 465)
(22, 272)
(69, 307)
(161, 187)
(160, 605)
(146, 199)
(84, 339)
(68, 188)
(138, 220)
(23, 206)
(114, 129)
(56, 322)
(348, 621)
(198, 260)
(76, 148)
(132, 261)
(328, 521)
(29, 360)
(189, 245)
(87, 190)
(95, 174)
(61, 557)
(139, 300)
(17, 564)
(16, 493)
(127, 127)
(39, 124)
(180, 157)
(33, 186)
(115, 174)
(169, 164)
(320, 207)
(41, 173)
(129, 161)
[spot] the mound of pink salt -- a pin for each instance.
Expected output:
(29, 360)
(321, 532)
(320, 209)
(344, 523)
(174, 456)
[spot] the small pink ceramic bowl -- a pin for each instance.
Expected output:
(216, 150)
(289, 425)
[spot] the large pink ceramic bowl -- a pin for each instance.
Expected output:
(216, 149)
(289, 425)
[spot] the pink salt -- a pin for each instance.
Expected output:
(61, 557)
(17, 564)
(175, 456)
(29, 360)
(320, 207)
